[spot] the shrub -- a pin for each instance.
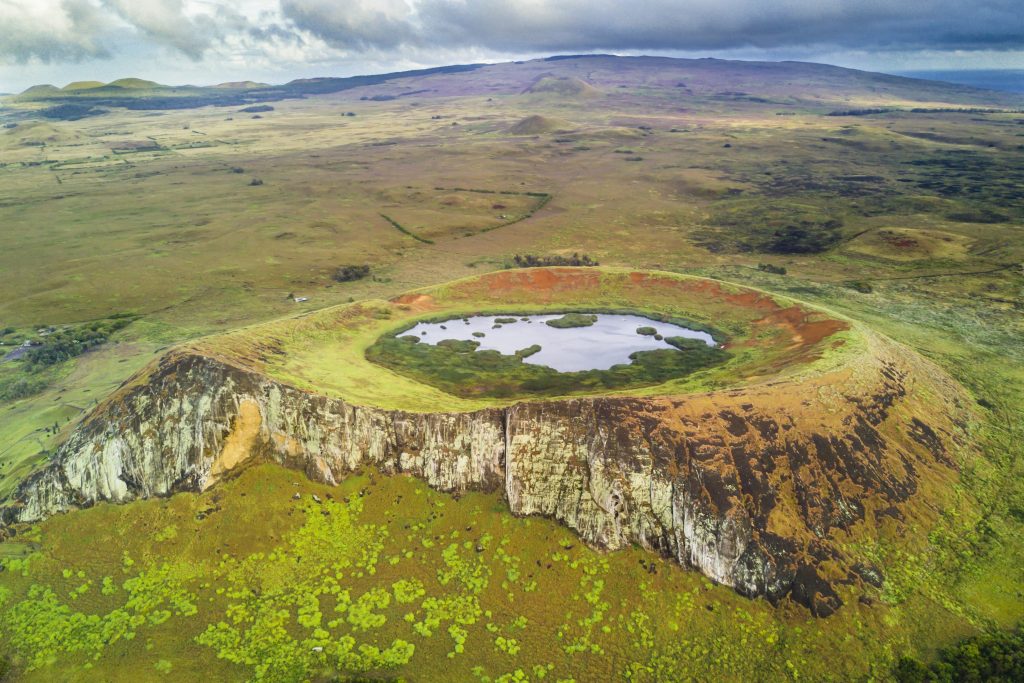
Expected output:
(67, 343)
(860, 286)
(402, 229)
(71, 112)
(771, 226)
(805, 239)
(21, 387)
(996, 656)
(351, 272)
(573, 320)
(528, 351)
(858, 112)
(533, 261)
(984, 216)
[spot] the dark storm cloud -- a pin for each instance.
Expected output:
(568, 25)
(356, 24)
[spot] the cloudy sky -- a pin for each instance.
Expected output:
(210, 41)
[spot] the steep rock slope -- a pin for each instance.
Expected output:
(759, 487)
(747, 494)
(195, 418)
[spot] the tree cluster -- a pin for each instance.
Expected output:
(67, 343)
(996, 656)
(351, 272)
(534, 261)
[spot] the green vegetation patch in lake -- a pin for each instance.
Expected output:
(430, 353)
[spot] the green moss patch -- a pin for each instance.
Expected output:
(570, 320)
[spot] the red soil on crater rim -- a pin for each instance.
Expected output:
(805, 327)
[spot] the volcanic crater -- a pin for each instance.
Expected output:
(762, 471)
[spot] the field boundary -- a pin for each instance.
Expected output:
(401, 228)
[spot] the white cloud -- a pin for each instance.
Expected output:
(50, 30)
(166, 23)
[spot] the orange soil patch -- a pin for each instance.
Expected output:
(540, 280)
(239, 443)
(416, 302)
(805, 331)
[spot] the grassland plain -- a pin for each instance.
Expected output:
(925, 207)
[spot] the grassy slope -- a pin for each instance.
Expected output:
(250, 547)
(179, 237)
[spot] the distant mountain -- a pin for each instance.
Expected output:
(81, 85)
(1008, 80)
(684, 82)
(134, 84)
(241, 85)
(78, 89)
(44, 90)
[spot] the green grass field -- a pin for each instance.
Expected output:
(910, 224)
(442, 589)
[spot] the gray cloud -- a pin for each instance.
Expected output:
(165, 22)
(569, 25)
(357, 25)
(50, 31)
(288, 34)
(74, 30)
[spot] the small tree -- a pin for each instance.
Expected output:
(769, 268)
(351, 272)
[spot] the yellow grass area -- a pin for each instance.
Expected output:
(911, 244)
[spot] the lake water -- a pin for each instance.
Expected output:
(609, 341)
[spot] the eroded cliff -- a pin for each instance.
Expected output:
(754, 487)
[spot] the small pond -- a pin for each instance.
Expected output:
(575, 342)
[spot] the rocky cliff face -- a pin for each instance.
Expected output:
(747, 486)
(196, 418)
